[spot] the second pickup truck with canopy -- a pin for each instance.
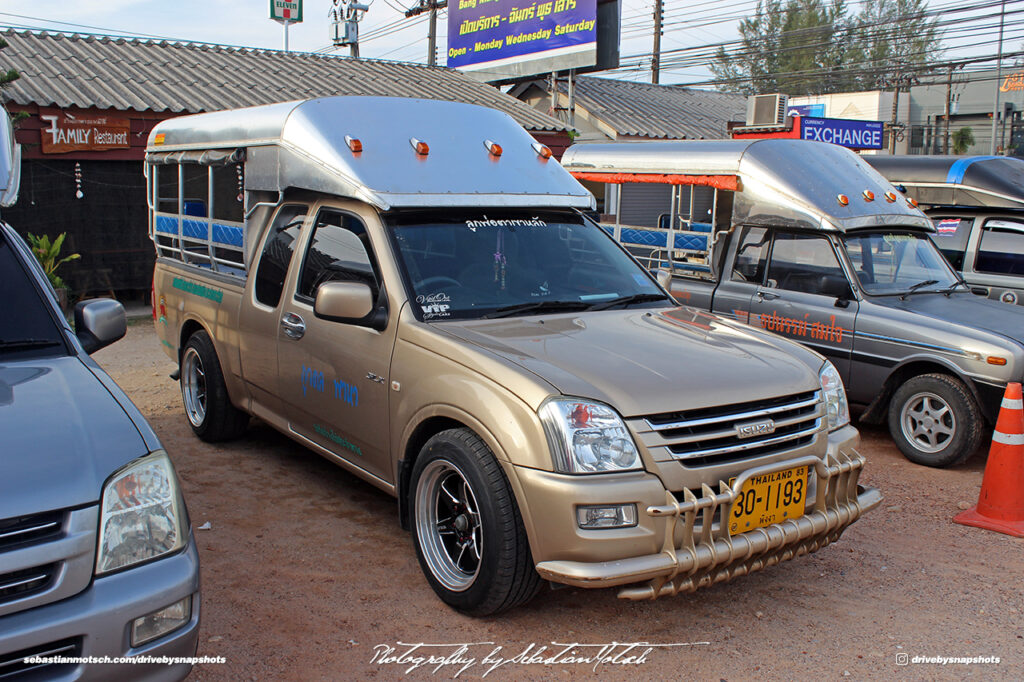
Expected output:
(808, 241)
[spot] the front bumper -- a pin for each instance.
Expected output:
(698, 549)
(100, 619)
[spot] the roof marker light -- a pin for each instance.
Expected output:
(543, 151)
(912, 201)
(493, 147)
(422, 148)
(354, 144)
(890, 197)
(843, 200)
(869, 195)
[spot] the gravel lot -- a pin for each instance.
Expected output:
(307, 575)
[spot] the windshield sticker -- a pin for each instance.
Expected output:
(434, 305)
(947, 228)
(897, 238)
(509, 223)
(544, 289)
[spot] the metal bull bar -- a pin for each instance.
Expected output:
(714, 555)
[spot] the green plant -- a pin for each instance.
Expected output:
(48, 255)
(962, 140)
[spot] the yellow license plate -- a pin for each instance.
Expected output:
(769, 498)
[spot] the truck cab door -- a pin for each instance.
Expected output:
(743, 274)
(334, 375)
(260, 313)
(807, 297)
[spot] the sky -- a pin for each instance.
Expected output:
(385, 34)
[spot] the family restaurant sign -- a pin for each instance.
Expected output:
(66, 132)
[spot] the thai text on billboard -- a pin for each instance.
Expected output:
(485, 33)
(843, 132)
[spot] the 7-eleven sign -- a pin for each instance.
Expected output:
(286, 10)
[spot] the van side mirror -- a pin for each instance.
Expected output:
(664, 278)
(99, 322)
(343, 301)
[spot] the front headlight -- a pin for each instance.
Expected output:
(587, 437)
(141, 514)
(836, 407)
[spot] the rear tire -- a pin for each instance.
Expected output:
(467, 529)
(204, 394)
(935, 420)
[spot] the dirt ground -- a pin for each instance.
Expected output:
(306, 575)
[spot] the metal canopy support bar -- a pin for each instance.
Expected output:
(728, 182)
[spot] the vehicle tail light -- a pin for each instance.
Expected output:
(421, 147)
(152, 298)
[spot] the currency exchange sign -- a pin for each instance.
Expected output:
(512, 38)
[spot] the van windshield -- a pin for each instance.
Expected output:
(890, 262)
(502, 262)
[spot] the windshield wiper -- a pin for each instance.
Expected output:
(956, 284)
(914, 287)
(536, 306)
(27, 343)
(626, 300)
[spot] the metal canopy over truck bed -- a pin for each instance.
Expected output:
(306, 145)
(989, 181)
(786, 182)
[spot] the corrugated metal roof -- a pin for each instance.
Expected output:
(115, 73)
(658, 111)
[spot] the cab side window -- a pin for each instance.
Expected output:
(277, 253)
(1001, 250)
(751, 256)
(806, 263)
(339, 250)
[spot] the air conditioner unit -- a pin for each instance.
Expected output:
(766, 110)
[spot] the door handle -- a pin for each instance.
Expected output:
(767, 295)
(293, 326)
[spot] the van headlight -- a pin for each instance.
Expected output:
(142, 515)
(836, 407)
(586, 437)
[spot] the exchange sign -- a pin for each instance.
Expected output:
(509, 38)
(843, 132)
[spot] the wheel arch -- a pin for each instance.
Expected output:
(876, 412)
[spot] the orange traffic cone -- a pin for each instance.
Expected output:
(1001, 503)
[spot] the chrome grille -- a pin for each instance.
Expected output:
(20, 584)
(23, 530)
(13, 665)
(712, 435)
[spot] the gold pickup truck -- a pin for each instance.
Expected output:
(410, 289)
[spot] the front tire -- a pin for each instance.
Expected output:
(935, 420)
(204, 394)
(466, 526)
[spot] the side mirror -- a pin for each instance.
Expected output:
(664, 278)
(343, 301)
(99, 322)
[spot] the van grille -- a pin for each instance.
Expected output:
(13, 666)
(24, 530)
(712, 436)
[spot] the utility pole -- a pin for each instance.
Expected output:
(949, 102)
(429, 6)
(656, 57)
(895, 112)
(999, 75)
(345, 16)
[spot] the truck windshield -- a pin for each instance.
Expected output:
(470, 264)
(26, 327)
(898, 263)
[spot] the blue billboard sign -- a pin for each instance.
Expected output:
(518, 39)
(843, 132)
